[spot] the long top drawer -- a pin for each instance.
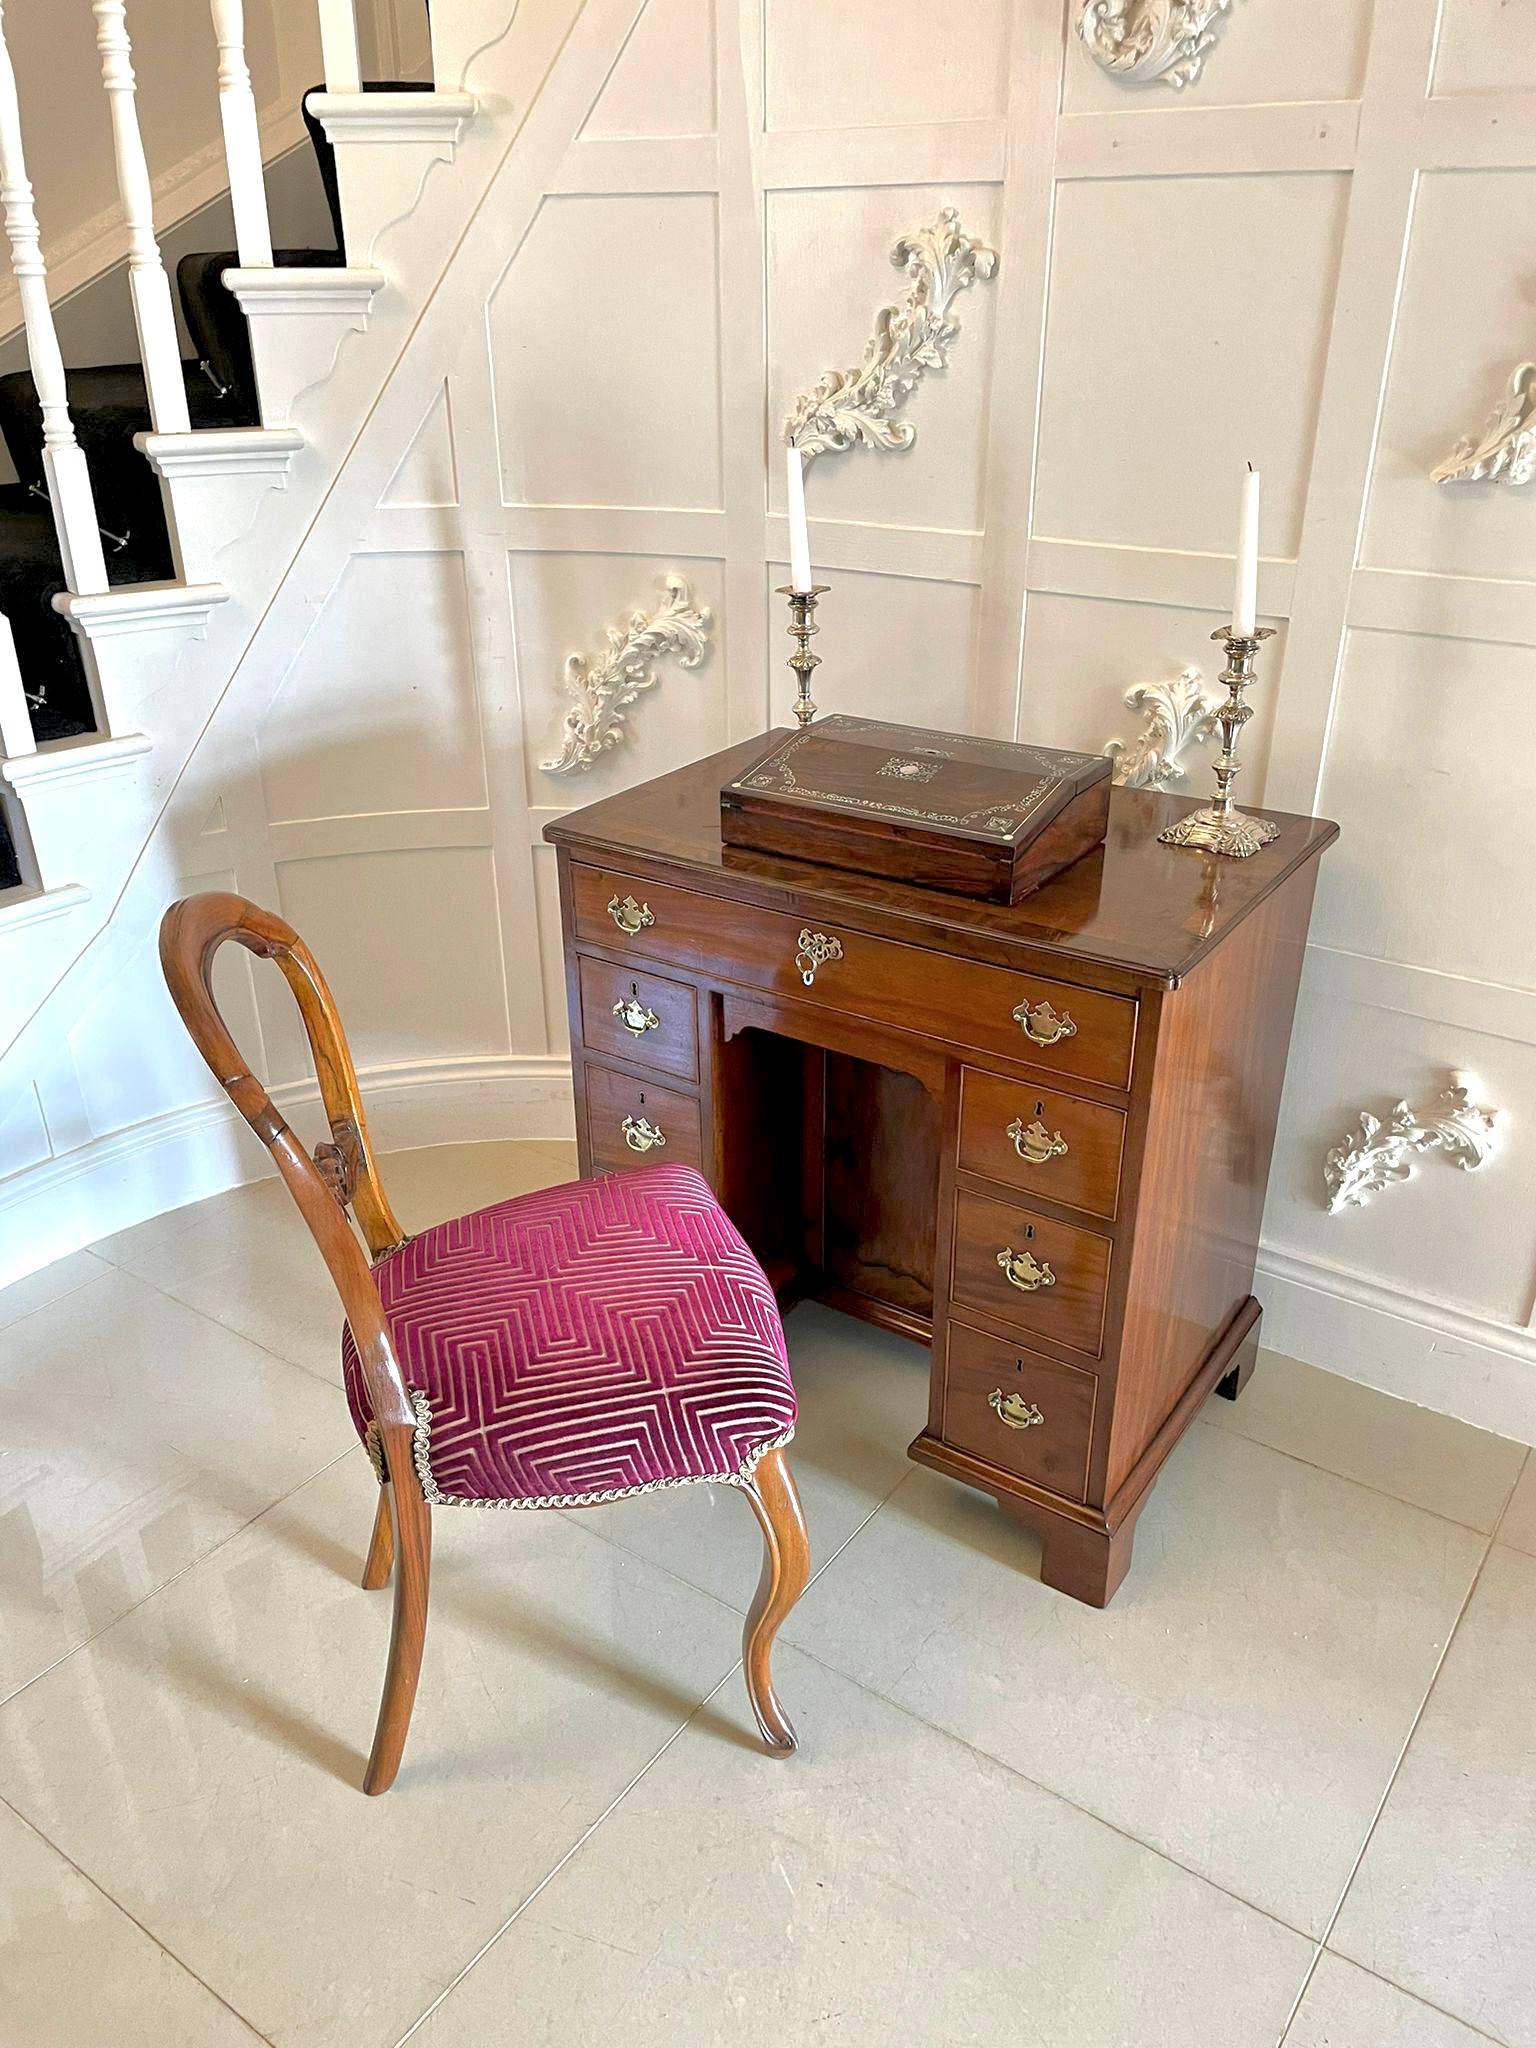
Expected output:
(1052, 1024)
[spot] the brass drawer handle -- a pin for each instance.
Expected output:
(1034, 1143)
(635, 1017)
(816, 949)
(1024, 1271)
(1041, 1025)
(630, 916)
(1013, 1411)
(640, 1134)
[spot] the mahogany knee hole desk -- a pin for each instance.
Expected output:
(1035, 1138)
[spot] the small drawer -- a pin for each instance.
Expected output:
(634, 1123)
(1044, 1276)
(809, 957)
(1048, 1144)
(1031, 1415)
(640, 1016)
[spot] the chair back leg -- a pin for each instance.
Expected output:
(412, 1522)
(381, 1547)
(786, 1568)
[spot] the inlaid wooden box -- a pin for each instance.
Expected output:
(981, 818)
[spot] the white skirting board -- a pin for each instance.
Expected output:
(189, 1154)
(1478, 1370)
(1469, 1366)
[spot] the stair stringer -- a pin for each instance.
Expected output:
(204, 715)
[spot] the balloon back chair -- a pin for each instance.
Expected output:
(558, 1350)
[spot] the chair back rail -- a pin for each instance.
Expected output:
(344, 1174)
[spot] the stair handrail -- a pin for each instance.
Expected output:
(16, 734)
(153, 316)
(242, 138)
(339, 59)
(68, 480)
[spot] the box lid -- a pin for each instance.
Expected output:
(992, 791)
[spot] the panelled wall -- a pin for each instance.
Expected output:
(1315, 257)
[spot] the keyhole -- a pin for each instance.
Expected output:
(1039, 1109)
(642, 1097)
(1029, 1228)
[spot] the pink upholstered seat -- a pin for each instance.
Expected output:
(584, 1343)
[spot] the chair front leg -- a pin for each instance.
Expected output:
(412, 1520)
(786, 1568)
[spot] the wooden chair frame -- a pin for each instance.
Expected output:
(343, 1176)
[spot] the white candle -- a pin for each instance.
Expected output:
(799, 535)
(1245, 597)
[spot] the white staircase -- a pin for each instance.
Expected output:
(437, 188)
(80, 811)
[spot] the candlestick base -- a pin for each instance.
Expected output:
(1233, 833)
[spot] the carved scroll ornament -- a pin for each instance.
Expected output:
(1505, 451)
(846, 408)
(1150, 41)
(1379, 1154)
(604, 689)
(1177, 715)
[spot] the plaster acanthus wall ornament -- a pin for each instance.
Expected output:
(1147, 41)
(1378, 1154)
(1177, 714)
(604, 689)
(848, 407)
(1506, 449)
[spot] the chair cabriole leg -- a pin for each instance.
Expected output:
(412, 1520)
(381, 1547)
(786, 1568)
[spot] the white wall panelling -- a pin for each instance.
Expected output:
(1314, 256)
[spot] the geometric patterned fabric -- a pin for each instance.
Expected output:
(589, 1341)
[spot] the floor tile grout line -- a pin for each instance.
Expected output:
(692, 1585)
(1296, 2003)
(555, 1869)
(1381, 1804)
(1514, 1488)
(176, 1577)
(1427, 2003)
(1380, 1492)
(1050, 1791)
(622, 1795)
(54, 1300)
(133, 1919)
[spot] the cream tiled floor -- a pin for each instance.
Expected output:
(1282, 1791)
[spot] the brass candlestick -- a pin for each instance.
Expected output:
(802, 624)
(1221, 827)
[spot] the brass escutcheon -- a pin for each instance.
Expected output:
(633, 1014)
(640, 1134)
(1024, 1271)
(1012, 1410)
(1035, 1143)
(1041, 1025)
(816, 949)
(629, 915)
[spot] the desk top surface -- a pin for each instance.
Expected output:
(1146, 909)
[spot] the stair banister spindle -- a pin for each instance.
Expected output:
(69, 483)
(338, 46)
(159, 348)
(16, 736)
(242, 138)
